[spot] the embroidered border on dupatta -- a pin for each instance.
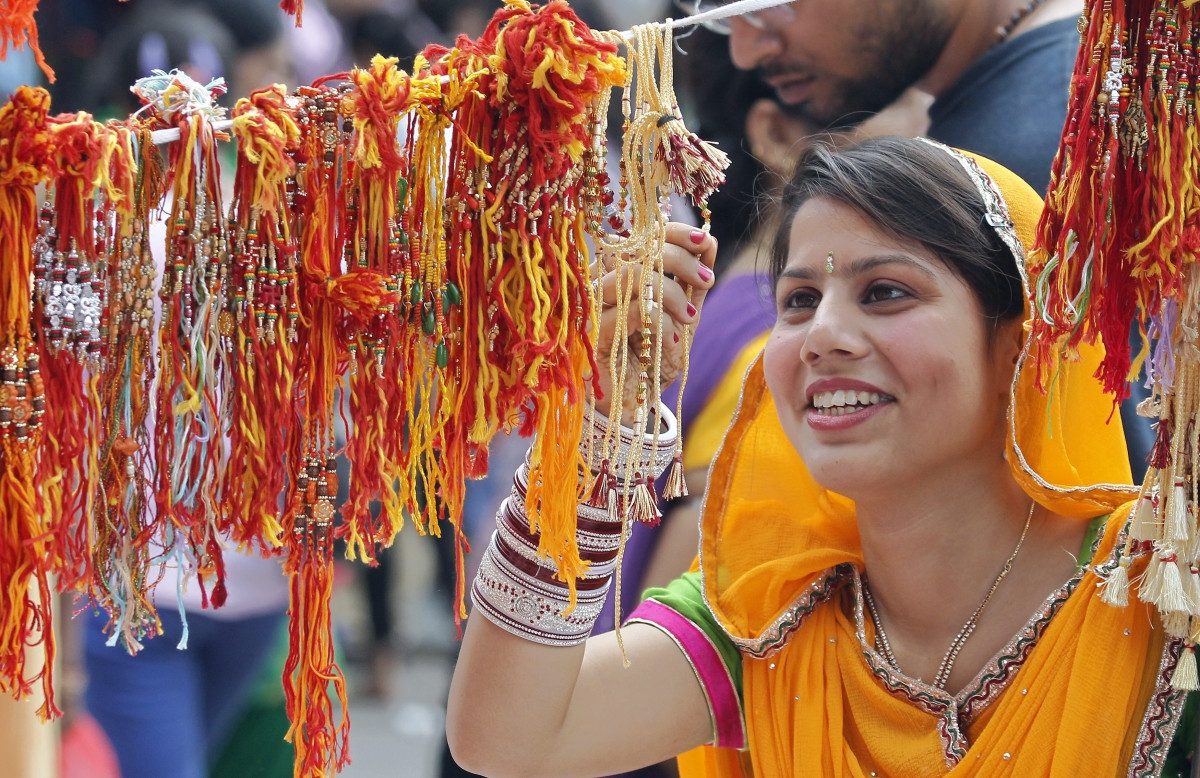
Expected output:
(1162, 717)
(936, 703)
(724, 706)
(776, 635)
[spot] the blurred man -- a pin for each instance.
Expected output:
(998, 70)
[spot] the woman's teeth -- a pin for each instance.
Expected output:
(844, 401)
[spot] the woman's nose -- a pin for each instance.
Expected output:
(833, 332)
(750, 46)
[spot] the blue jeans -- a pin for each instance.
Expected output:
(166, 711)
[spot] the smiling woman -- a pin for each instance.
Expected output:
(902, 539)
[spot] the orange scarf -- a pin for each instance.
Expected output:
(1093, 689)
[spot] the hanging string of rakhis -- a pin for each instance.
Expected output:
(408, 250)
(1117, 251)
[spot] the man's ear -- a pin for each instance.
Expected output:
(772, 136)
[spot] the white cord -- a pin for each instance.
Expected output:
(159, 137)
(721, 12)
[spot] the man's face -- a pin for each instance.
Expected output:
(840, 61)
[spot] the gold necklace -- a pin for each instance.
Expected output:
(884, 646)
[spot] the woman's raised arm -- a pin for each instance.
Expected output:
(528, 698)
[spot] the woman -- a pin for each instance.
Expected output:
(901, 545)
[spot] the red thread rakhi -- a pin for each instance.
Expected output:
(319, 738)
(378, 444)
(18, 28)
(517, 250)
(25, 593)
(1121, 216)
(262, 227)
(190, 414)
(123, 519)
(1116, 249)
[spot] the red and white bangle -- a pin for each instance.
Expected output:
(649, 454)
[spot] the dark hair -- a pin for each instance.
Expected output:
(916, 192)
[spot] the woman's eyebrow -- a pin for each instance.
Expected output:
(862, 265)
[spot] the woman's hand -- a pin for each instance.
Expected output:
(687, 261)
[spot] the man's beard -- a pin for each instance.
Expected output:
(898, 54)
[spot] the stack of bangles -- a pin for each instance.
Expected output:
(517, 590)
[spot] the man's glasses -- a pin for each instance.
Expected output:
(766, 19)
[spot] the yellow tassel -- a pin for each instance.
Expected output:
(1143, 526)
(1185, 677)
(1116, 588)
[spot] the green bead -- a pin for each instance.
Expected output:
(451, 291)
(430, 323)
(443, 355)
(415, 297)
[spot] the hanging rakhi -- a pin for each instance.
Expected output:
(262, 309)
(317, 734)
(190, 418)
(25, 596)
(517, 250)
(1117, 248)
(659, 157)
(92, 205)
(1114, 234)
(18, 28)
(124, 523)
(71, 309)
(378, 445)
(438, 452)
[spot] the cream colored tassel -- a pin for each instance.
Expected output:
(1185, 677)
(1177, 529)
(1143, 526)
(1170, 597)
(1177, 624)
(1116, 588)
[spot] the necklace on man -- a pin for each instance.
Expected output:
(1004, 31)
(884, 647)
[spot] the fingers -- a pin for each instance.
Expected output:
(687, 262)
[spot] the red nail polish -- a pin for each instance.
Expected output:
(691, 309)
(698, 236)
(704, 273)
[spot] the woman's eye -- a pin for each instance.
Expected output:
(800, 299)
(883, 292)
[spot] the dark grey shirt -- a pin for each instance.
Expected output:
(1010, 104)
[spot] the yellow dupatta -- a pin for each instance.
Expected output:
(1090, 692)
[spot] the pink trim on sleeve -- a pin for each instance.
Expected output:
(729, 729)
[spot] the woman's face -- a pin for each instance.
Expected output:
(882, 371)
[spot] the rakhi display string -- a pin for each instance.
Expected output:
(410, 251)
(1116, 253)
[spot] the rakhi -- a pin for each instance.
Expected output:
(191, 415)
(122, 525)
(25, 596)
(449, 282)
(1116, 249)
(262, 313)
